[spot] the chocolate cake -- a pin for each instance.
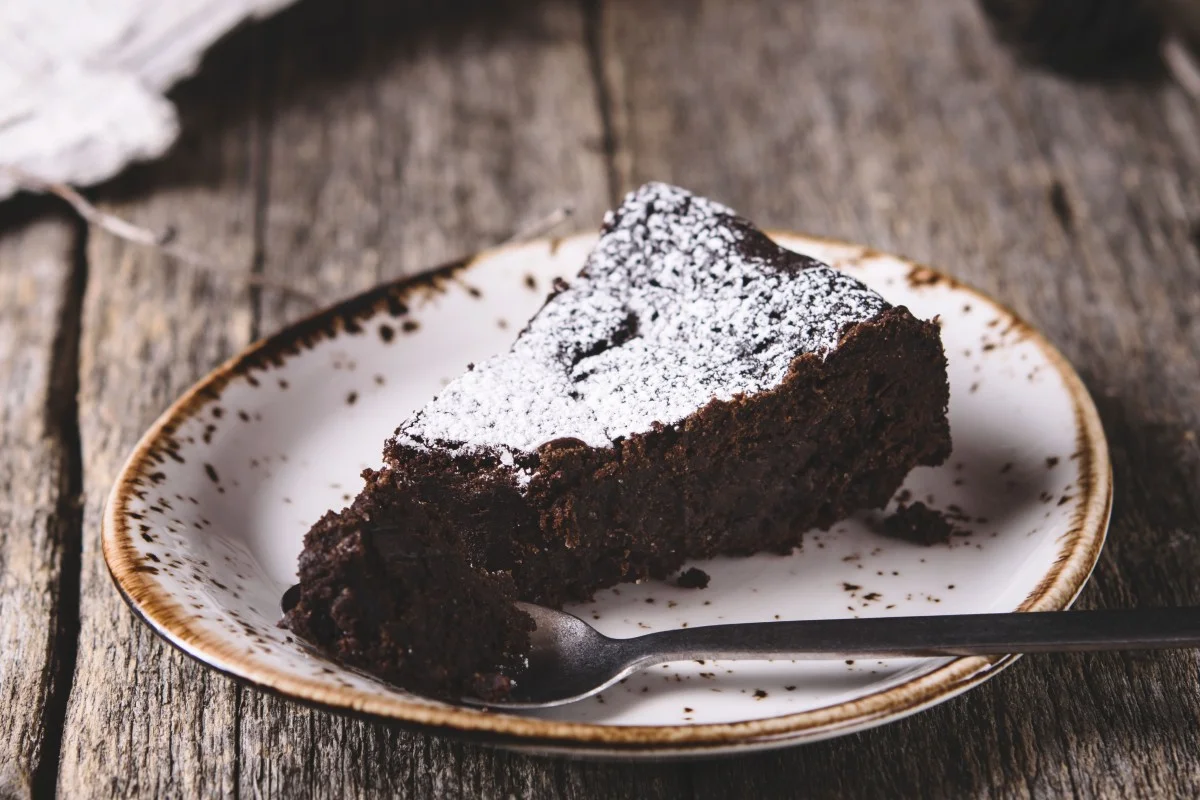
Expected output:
(696, 391)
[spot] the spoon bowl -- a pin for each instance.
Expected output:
(568, 661)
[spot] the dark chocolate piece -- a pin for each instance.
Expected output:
(696, 391)
(693, 578)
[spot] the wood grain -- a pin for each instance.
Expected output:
(344, 143)
(144, 720)
(39, 518)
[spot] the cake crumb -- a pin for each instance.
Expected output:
(491, 686)
(693, 578)
(920, 524)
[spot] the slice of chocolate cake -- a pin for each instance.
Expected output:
(696, 391)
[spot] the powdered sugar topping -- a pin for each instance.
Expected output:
(681, 302)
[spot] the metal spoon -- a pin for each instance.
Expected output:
(570, 660)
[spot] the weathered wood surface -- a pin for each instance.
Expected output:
(142, 719)
(344, 143)
(39, 518)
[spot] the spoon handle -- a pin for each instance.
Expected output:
(959, 635)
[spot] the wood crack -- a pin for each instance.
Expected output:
(593, 19)
(61, 425)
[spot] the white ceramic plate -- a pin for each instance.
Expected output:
(205, 523)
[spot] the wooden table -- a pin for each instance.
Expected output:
(343, 143)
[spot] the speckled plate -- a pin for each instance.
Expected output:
(206, 519)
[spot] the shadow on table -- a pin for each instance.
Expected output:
(1152, 554)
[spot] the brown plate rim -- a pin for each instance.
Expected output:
(169, 618)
